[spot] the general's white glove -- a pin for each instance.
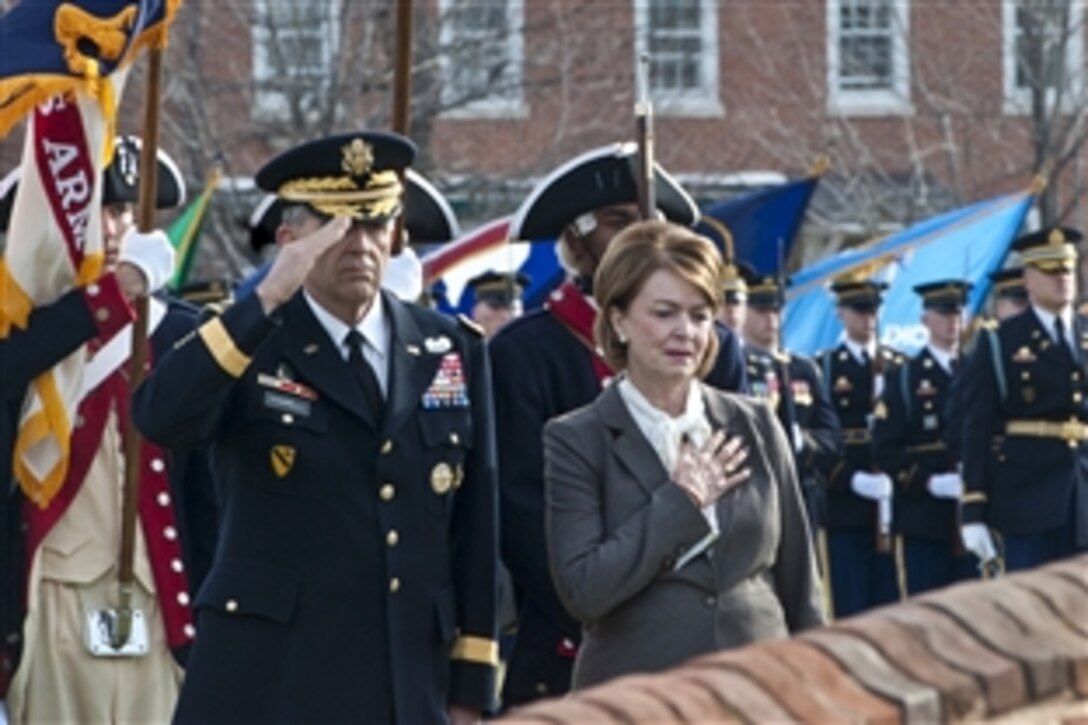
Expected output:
(151, 253)
(875, 486)
(404, 275)
(977, 540)
(945, 485)
(798, 438)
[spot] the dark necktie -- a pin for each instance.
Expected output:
(363, 373)
(1059, 331)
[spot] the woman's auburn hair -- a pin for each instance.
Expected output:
(632, 257)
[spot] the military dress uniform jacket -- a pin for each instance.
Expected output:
(910, 435)
(541, 371)
(850, 386)
(355, 577)
(1017, 376)
(793, 385)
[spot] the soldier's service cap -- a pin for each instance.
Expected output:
(501, 289)
(120, 180)
(428, 218)
(349, 174)
(764, 291)
(598, 178)
(735, 282)
(1050, 249)
(1009, 283)
(946, 295)
(858, 293)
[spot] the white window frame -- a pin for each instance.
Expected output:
(702, 102)
(1018, 100)
(270, 104)
(892, 101)
(508, 105)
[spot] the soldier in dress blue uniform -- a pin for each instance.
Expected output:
(497, 299)
(1009, 298)
(546, 364)
(796, 389)
(353, 442)
(858, 511)
(910, 432)
(1026, 381)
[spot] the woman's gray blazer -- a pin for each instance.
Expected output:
(616, 526)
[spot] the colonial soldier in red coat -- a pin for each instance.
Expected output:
(68, 669)
(546, 364)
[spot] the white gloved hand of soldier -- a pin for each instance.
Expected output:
(151, 253)
(945, 485)
(977, 540)
(875, 486)
(798, 438)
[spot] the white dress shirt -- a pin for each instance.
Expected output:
(377, 336)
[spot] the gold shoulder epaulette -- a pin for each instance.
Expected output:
(988, 323)
(782, 357)
(471, 324)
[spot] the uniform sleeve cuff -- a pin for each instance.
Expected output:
(109, 309)
(472, 685)
(973, 508)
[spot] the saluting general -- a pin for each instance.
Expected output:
(1026, 387)
(352, 440)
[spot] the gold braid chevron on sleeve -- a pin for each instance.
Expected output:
(476, 649)
(220, 344)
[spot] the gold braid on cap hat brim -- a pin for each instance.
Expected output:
(340, 196)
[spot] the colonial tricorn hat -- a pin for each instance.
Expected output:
(855, 290)
(598, 178)
(946, 295)
(120, 180)
(348, 174)
(1049, 249)
(499, 288)
(429, 217)
(1009, 283)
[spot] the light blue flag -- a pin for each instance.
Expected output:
(967, 243)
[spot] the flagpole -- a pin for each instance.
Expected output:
(644, 130)
(402, 100)
(145, 222)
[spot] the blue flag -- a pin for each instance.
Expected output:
(763, 223)
(967, 243)
(52, 47)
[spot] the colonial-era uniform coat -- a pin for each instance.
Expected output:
(355, 574)
(541, 371)
(617, 526)
(176, 509)
(859, 577)
(1021, 384)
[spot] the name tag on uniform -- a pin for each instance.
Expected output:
(286, 403)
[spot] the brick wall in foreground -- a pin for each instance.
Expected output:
(1012, 650)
